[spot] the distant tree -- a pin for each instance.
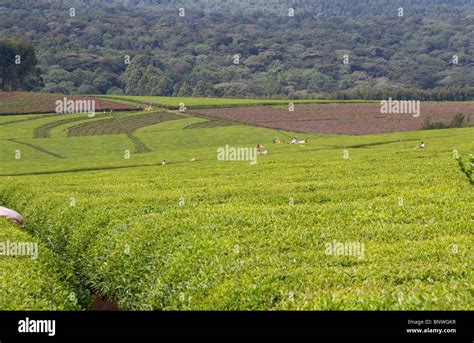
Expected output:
(88, 89)
(18, 66)
(133, 78)
(458, 121)
(115, 91)
(185, 89)
(142, 77)
(232, 89)
(154, 82)
(202, 89)
(176, 89)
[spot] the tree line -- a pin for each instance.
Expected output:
(342, 49)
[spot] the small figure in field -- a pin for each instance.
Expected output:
(303, 142)
(12, 215)
(421, 146)
(294, 140)
(163, 162)
(193, 159)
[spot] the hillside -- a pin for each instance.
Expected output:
(147, 48)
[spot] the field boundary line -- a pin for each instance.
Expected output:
(36, 148)
(140, 147)
(91, 169)
(23, 120)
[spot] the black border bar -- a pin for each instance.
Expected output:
(245, 323)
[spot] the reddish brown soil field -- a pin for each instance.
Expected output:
(99, 303)
(24, 102)
(6, 95)
(354, 119)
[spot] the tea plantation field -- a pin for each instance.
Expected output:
(199, 233)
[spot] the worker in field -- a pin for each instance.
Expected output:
(11, 215)
(305, 141)
(163, 162)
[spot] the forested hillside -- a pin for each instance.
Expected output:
(247, 48)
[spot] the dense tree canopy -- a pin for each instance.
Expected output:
(257, 48)
(18, 66)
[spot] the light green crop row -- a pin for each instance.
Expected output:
(32, 277)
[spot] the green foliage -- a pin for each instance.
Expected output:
(18, 66)
(459, 120)
(203, 89)
(142, 77)
(279, 55)
(184, 90)
(45, 283)
(467, 168)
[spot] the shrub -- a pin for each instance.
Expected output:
(459, 120)
(466, 169)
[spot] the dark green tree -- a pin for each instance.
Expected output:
(142, 77)
(185, 89)
(18, 66)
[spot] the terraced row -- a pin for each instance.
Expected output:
(17, 121)
(117, 125)
(44, 131)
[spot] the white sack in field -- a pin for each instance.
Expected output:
(12, 215)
